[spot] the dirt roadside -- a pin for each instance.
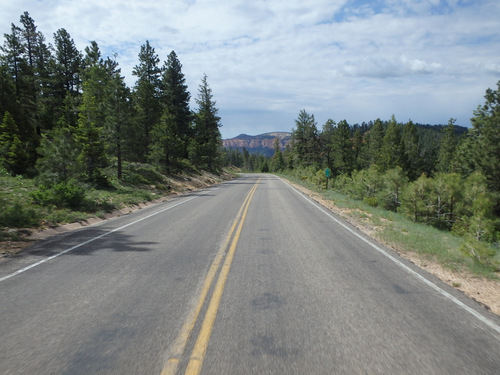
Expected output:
(480, 289)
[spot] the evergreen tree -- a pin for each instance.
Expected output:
(92, 117)
(343, 156)
(476, 209)
(205, 148)
(464, 160)
(165, 143)
(326, 139)
(277, 161)
(119, 112)
(175, 97)
(146, 96)
(358, 148)
(305, 141)
(17, 67)
(446, 192)
(416, 199)
(27, 60)
(12, 155)
(391, 150)
(395, 181)
(13, 57)
(486, 122)
(7, 91)
(38, 58)
(375, 140)
(410, 158)
(68, 65)
(58, 162)
(447, 148)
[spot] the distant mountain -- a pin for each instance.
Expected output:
(258, 144)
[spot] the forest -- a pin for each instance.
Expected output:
(67, 117)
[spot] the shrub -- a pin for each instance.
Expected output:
(371, 201)
(64, 194)
(320, 178)
(19, 216)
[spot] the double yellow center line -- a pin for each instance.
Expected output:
(200, 347)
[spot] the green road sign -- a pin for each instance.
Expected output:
(327, 172)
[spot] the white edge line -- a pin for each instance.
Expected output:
(483, 319)
(97, 238)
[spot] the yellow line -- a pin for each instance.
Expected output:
(186, 330)
(198, 354)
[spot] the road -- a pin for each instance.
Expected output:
(246, 277)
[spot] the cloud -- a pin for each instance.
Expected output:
(267, 59)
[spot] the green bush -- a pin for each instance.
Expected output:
(19, 216)
(64, 194)
(371, 201)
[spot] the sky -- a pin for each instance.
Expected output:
(266, 60)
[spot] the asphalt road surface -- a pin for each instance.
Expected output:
(246, 277)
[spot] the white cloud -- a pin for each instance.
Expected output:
(428, 60)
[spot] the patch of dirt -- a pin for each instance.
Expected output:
(482, 290)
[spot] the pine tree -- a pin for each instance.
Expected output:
(12, 155)
(343, 156)
(92, 117)
(395, 181)
(391, 151)
(146, 96)
(375, 139)
(447, 148)
(17, 68)
(358, 146)
(7, 91)
(464, 159)
(58, 162)
(119, 113)
(68, 63)
(68, 66)
(326, 139)
(410, 158)
(486, 122)
(205, 148)
(175, 99)
(165, 143)
(306, 145)
(277, 161)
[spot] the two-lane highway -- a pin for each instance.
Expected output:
(246, 277)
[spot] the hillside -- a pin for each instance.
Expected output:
(258, 144)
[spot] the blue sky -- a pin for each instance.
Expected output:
(424, 60)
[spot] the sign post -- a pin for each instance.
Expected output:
(327, 174)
